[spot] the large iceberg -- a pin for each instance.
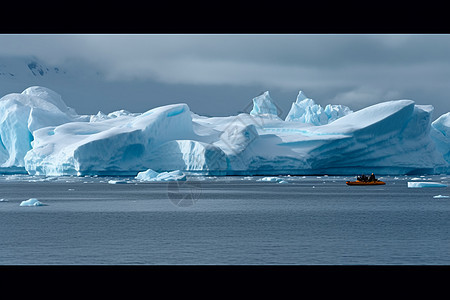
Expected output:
(40, 135)
(440, 134)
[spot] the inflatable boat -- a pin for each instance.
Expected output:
(357, 182)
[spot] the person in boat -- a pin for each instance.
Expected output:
(363, 178)
(372, 178)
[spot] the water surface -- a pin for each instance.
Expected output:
(312, 220)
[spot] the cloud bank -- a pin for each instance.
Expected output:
(339, 68)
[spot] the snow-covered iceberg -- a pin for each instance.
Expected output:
(42, 136)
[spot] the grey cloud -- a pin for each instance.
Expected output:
(362, 69)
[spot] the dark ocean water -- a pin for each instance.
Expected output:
(223, 221)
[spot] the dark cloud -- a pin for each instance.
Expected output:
(352, 69)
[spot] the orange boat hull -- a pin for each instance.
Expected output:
(378, 182)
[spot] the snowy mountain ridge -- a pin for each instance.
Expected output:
(25, 66)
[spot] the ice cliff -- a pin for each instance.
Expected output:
(41, 135)
(440, 134)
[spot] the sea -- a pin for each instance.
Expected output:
(229, 220)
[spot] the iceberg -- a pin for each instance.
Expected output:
(21, 114)
(40, 135)
(424, 184)
(151, 175)
(305, 110)
(32, 202)
(440, 134)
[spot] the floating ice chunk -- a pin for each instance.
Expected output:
(117, 181)
(425, 184)
(151, 175)
(171, 176)
(272, 179)
(32, 202)
(147, 175)
(440, 196)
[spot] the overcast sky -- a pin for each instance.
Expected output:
(354, 70)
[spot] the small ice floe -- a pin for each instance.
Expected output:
(425, 184)
(3, 200)
(32, 202)
(151, 175)
(440, 196)
(273, 179)
(117, 181)
(71, 189)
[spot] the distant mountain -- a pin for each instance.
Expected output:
(84, 86)
(77, 82)
(18, 67)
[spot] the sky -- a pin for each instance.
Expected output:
(219, 74)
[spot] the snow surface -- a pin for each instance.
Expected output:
(424, 184)
(40, 135)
